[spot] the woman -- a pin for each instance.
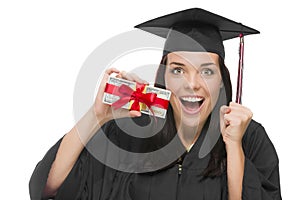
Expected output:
(241, 162)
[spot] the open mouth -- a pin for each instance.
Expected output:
(192, 104)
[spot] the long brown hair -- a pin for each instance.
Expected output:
(217, 162)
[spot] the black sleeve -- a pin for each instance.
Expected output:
(80, 182)
(85, 179)
(40, 174)
(261, 173)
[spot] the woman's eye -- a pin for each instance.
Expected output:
(207, 72)
(177, 70)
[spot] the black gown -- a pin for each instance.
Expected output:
(91, 180)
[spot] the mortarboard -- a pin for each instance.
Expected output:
(196, 29)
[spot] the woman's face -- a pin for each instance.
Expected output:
(194, 79)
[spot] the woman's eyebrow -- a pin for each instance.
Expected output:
(177, 63)
(207, 64)
(202, 65)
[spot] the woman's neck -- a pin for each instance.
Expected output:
(188, 135)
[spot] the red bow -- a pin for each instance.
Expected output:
(127, 94)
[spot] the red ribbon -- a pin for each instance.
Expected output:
(127, 94)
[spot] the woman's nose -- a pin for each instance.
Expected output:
(194, 81)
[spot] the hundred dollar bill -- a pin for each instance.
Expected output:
(118, 81)
(161, 93)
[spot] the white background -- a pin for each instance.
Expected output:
(43, 45)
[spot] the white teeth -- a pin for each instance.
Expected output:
(192, 99)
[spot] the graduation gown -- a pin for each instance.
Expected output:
(89, 179)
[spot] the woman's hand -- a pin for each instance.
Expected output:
(104, 111)
(234, 120)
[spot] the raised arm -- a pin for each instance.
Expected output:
(234, 121)
(252, 162)
(74, 141)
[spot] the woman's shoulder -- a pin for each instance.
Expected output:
(255, 130)
(257, 142)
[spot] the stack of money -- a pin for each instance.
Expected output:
(158, 111)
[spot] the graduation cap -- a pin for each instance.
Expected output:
(199, 30)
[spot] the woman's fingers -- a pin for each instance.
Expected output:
(112, 70)
(224, 122)
(234, 120)
(102, 108)
(131, 77)
(99, 107)
(134, 113)
(235, 113)
(109, 71)
(106, 74)
(121, 113)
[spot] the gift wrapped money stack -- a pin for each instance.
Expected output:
(120, 93)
